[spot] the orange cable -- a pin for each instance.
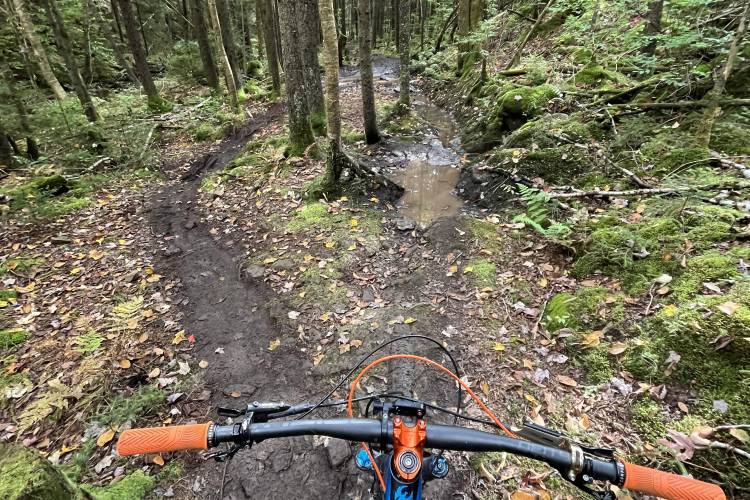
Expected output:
(428, 362)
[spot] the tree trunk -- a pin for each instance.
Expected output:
(140, 26)
(65, 47)
(265, 9)
(517, 56)
(32, 150)
(6, 151)
(227, 37)
(469, 14)
(117, 16)
(103, 18)
(139, 55)
(37, 50)
(706, 126)
(330, 58)
(652, 26)
(404, 43)
(226, 65)
(308, 25)
(200, 28)
(300, 132)
(365, 69)
(342, 34)
(448, 21)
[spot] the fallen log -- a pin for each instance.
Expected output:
(681, 104)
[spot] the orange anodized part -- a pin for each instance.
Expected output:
(408, 444)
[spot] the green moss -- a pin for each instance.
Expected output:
(594, 74)
(318, 124)
(311, 215)
(12, 338)
(484, 272)
(319, 286)
(316, 216)
(582, 55)
(709, 267)
(731, 138)
(526, 101)
(133, 486)
(25, 475)
(206, 131)
(553, 130)
(687, 423)
(596, 363)
(648, 419)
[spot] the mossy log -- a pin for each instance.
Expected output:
(26, 475)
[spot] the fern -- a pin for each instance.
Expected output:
(537, 214)
(557, 314)
(126, 315)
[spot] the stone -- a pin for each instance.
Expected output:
(338, 452)
(255, 271)
(284, 265)
(405, 224)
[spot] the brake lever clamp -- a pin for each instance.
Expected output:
(228, 454)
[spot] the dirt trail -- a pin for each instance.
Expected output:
(228, 316)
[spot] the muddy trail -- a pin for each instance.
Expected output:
(228, 315)
(235, 317)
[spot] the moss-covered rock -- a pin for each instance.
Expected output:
(597, 365)
(134, 486)
(594, 74)
(709, 267)
(483, 271)
(554, 130)
(26, 475)
(648, 418)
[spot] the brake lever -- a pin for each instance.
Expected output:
(225, 455)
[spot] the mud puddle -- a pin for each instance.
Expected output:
(431, 170)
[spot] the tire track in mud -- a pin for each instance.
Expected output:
(227, 312)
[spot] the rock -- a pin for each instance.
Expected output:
(61, 240)
(255, 271)
(405, 224)
(368, 296)
(25, 475)
(284, 265)
(172, 251)
(338, 452)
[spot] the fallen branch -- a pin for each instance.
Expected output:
(597, 193)
(682, 104)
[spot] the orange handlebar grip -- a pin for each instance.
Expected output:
(163, 439)
(669, 486)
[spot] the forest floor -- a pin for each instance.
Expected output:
(216, 283)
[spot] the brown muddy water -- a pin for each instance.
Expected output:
(431, 170)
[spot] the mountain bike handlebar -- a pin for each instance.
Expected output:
(630, 476)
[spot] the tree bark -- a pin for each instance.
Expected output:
(449, 20)
(365, 69)
(470, 13)
(404, 31)
(37, 50)
(706, 126)
(140, 26)
(226, 65)
(300, 132)
(330, 58)
(227, 37)
(517, 56)
(200, 29)
(6, 151)
(139, 55)
(65, 47)
(309, 29)
(265, 9)
(653, 26)
(342, 32)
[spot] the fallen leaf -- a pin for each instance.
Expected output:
(274, 344)
(618, 348)
(96, 254)
(154, 373)
(354, 222)
(497, 346)
(158, 460)
(740, 435)
(663, 279)
(203, 364)
(235, 394)
(293, 315)
(409, 321)
(325, 317)
(184, 367)
(468, 269)
(125, 364)
(179, 337)
(592, 339)
(105, 437)
(728, 308)
(683, 407)
(565, 380)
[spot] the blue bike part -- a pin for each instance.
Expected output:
(363, 460)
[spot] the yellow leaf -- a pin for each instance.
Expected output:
(153, 278)
(527, 363)
(468, 269)
(409, 321)
(352, 247)
(330, 244)
(158, 460)
(76, 270)
(125, 364)
(179, 337)
(270, 260)
(497, 346)
(592, 339)
(354, 223)
(26, 289)
(203, 364)
(318, 358)
(148, 313)
(453, 269)
(154, 373)
(274, 345)
(325, 317)
(96, 254)
(670, 310)
(105, 437)
(308, 258)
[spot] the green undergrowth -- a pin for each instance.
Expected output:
(124, 408)
(12, 337)
(483, 272)
(589, 308)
